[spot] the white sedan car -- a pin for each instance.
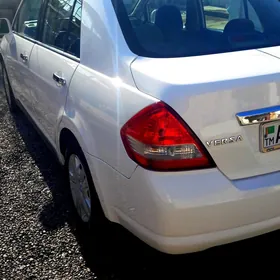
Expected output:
(165, 126)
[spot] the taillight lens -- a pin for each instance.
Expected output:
(158, 139)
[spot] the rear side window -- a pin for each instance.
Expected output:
(62, 26)
(181, 28)
(26, 22)
(75, 30)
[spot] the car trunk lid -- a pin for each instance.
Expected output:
(210, 92)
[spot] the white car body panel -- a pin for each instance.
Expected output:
(274, 51)
(175, 212)
(21, 77)
(104, 56)
(190, 211)
(49, 98)
(106, 105)
(208, 100)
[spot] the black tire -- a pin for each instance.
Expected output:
(97, 220)
(8, 90)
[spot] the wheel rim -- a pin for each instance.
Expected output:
(6, 86)
(79, 188)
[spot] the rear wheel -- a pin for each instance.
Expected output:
(99, 238)
(79, 187)
(8, 91)
(86, 202)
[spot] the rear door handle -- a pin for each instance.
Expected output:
(59, 79)
(24, 57)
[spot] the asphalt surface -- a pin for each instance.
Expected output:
(38, 235)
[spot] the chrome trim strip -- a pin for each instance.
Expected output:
(58, 51)
(259, 116)
(76, 59)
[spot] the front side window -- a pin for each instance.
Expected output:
(180, 28)
(26, 22)
(62, 25)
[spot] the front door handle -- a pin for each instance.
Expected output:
(24, 57)
(59, 79)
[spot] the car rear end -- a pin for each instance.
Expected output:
(207, 152)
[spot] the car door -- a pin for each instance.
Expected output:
(56, 58)
(21, 45)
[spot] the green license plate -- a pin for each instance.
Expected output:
(270, 137)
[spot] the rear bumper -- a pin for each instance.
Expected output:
(200, 242)
(183, 212)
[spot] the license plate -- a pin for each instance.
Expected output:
(270, 137)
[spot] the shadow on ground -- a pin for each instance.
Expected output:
(115, 253)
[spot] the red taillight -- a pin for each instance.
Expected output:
(158, 139)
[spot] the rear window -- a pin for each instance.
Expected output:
(130, 5)
(179, 28)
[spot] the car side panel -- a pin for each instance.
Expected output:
(102, 94)
(98, 108)
(103, 47)
(18, 69)
(49, 98)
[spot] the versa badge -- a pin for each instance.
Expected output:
(224, 141)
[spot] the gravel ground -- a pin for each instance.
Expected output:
(38, 237)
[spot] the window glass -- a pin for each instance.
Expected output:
(175, 28)
(216, 14)
(26, 22)
(56, 25)
(237, 8)
(4, 27)
(219, 13)
(130, 5)
(154, 5)
(73, 47)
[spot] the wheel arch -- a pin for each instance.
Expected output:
(69, 134)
